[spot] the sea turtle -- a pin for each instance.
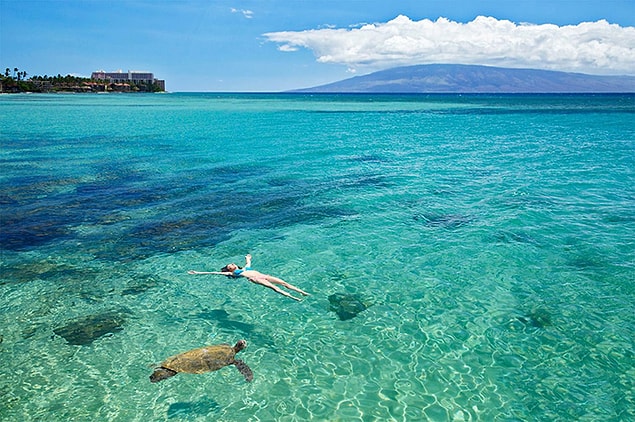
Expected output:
(205, 359)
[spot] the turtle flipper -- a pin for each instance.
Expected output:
(161, 373)
(244, 369)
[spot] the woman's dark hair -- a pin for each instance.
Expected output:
(226, 270)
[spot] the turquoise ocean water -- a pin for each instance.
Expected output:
(493, 238)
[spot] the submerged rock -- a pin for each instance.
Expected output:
(140, 285)
(84, 331)
(537, 319)
(347, 306)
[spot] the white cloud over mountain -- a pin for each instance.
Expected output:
(591, 47)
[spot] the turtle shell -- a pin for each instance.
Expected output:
(205, 359)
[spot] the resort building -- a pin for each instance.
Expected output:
(127, 77)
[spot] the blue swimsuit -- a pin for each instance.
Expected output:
(239, 271)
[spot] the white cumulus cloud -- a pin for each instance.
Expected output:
(592, 47)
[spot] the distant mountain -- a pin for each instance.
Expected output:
(448, 78)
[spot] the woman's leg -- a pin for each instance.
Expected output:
(280, 281)
(266, 283)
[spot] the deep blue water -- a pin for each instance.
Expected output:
(491, 240)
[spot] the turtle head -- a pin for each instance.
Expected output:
(240, 345)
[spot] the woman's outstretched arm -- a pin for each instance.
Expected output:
(209, 272)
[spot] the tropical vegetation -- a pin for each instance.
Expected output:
(14, 81)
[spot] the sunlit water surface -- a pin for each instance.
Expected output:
(492, 239)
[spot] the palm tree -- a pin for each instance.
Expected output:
(15, 69)
(6, 72)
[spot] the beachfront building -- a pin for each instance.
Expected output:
(132, 76)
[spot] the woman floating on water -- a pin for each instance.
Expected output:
(234, 271)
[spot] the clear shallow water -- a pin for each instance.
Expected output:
(493, 235)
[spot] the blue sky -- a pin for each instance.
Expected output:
(275, 45)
